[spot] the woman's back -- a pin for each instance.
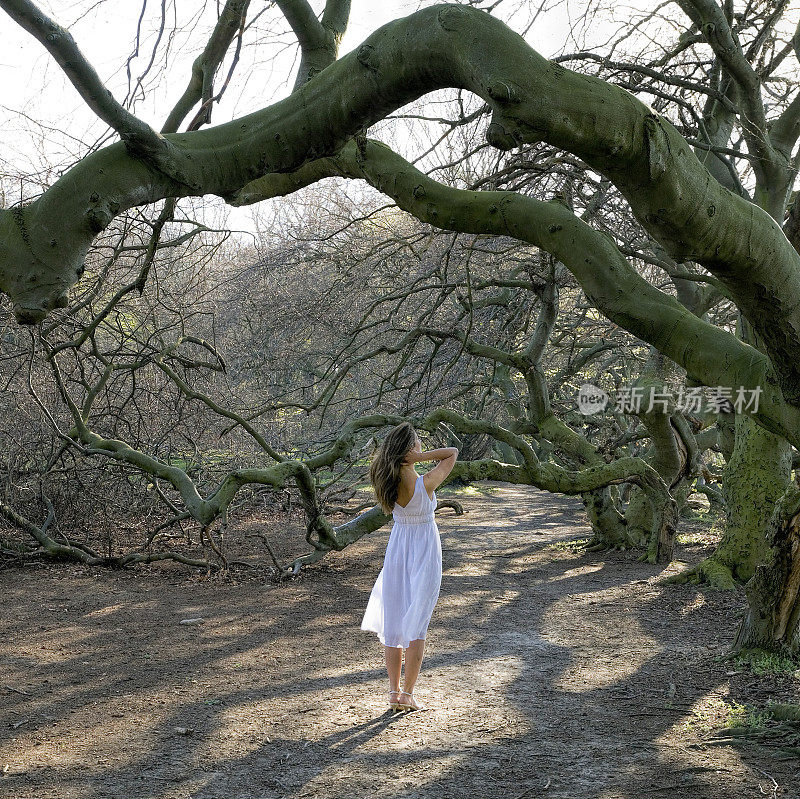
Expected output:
(419, 507)
(407, 490)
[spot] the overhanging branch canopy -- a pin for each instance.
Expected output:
(42, 246)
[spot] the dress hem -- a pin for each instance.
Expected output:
(395, 646)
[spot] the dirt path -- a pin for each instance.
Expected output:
(548, 673)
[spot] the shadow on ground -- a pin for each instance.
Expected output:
(548, 672)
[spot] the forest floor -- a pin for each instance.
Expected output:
(549, 672)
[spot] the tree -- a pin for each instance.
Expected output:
(681, 203)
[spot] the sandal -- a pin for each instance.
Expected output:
(394, 705)
(405, 705)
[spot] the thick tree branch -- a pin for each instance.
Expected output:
(42, 245)
(709, 17)
(303, 21)
(711, 356)
(546, 476)
(205, 66)
(771, 161)
(336, 16)
(318, 40)
(785, 130)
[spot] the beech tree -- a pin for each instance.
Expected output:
(684, 192)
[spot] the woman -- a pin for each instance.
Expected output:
(405, 593)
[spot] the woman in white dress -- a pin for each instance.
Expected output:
(407, 589)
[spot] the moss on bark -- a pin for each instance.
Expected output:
(754, 479)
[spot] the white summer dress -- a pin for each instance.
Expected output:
(404, 595)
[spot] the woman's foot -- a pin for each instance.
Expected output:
(407, 701)
(394, 699)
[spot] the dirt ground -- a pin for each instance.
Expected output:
(548, 672)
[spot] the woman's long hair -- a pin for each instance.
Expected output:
(384, 472)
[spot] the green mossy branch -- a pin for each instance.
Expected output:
(325, 537)
(43, 245)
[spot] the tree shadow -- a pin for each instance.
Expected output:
(561, 673)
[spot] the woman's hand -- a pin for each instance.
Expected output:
(413, 455)
(447, 460)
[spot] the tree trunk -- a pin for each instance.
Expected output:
(664, 456)
(667, 453)
(754, 478)
(609, 527)
(772, 621)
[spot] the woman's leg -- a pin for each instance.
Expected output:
(413, 664)
(394, 662)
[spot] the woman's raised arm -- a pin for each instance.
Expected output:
(435, 477)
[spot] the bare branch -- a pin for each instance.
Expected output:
(785, 130)
(205, 66)
(709, 17)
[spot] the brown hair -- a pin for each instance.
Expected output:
(384, 472)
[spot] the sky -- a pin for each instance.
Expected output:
(106, 35)
(45, 125)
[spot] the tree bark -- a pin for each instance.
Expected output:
(754, 479)
(772, 621)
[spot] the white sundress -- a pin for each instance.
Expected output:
(406, 591)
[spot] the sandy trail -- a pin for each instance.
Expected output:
(548, 673)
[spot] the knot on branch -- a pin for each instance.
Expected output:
(368, 57)
(98, 218)
(709, 31)
(100, 213)
(502, 92)
(499, 136)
